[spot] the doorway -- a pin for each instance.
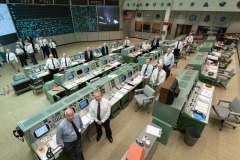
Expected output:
(183, 29)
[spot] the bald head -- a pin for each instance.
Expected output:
(126, 37)
(8, 50)
(50, 55)
(169, 50)
(64, 55)
(17, 46)
(160, 66)
(104, 44)
(98, 96)
(69, 114)
(88, 48)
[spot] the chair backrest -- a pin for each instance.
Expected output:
(232, 73)
(38, 83)
(235, 105)
(148, 91)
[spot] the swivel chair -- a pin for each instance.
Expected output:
(145, 98)
(228, 114)
(223, 79)
(37, 86)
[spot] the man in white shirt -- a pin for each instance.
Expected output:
(44, 45)
(19, 51)
(39, 49)
(189, 39)
(126, 42)
(52, 65)
(53, 46)
(145, 47)
(29, 49)
(12, 60)
(158, 77)
(146, 72)
(168, 62)
(66, 62)
(178, 46)
(155, 43)
(100, 110)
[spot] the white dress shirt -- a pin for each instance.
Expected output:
(52, 45)
(43, 42)
(127, 42)
(19, 51)
(29, 48)
(37, 47)
(68, 60)
(189, 39)
(162, 76)
(178, 45)
(49, 63)
(148, 72)
(168, 59)
(145, 46)
(105, 109)
(11, 56)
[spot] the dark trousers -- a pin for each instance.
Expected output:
(22, 60)
(53, 71)
(33, 58)
(126, 46)
(165, 68)
(45, 51)
(54, 52)
(74, 149)
(106, 125)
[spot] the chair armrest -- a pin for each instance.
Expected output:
(148, 98)
(234, 113)
(223, 100)
(138, 90)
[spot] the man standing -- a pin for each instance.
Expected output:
(126, 42)
(38, 49)
(88, 55)
(28, 47)
(66, 62)
(44, 45)
(189, 39)
(52, 65)
(53, 46)
(155, 43)
(12, 59)
(100, 111)
(104, 49)
(2, 53)
(68, 136)
(178, 46)
(158, 77)
(19, 51)
(146, 72)
(168, 62)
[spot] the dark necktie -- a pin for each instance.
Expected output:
(155, 41)
(75, 129)
(42, 43)
(54, 67)
(177, 44)
(8, 56)
(98, 112)
(145, 71)
(188, 39)
(66, 62)
(157, 80)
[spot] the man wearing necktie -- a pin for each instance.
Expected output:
(104, 49)
(189, 39)
(88, 55)
(146, 72)
(66, 62)
(53, 65)
(155, 43)
(178, 45)
(168, 62)
(19, 51)
(158, 77)
(52, 46)
(68, 135)
(100, 111)
(12, 60)
(126, 42)
(44, 45)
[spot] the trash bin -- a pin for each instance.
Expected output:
(191, 136)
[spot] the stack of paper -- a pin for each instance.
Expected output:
(153, 131)
(207, 93)
(118, 95)
(204, 99)
(112, 75)
(86, 120)
(128, 87)
(123, 90)
(202, 107)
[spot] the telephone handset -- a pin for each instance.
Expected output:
(49, 153)
(18, 133)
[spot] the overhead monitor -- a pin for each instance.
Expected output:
(123, 78)
(113, 58)
(37, 69)
(105, 61)
(78, 56)
(86, 70)
(83, 103)
(129, 73)
(70, 76)
(41, 131)
(79, 72)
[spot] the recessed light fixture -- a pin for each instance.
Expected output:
(154, 4)
(192, 4)
(222, 4)
(147, 4)
(180, 4)
(238, 5)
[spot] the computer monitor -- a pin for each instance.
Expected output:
(41, 131)
(79, 72)
(113, 58)
(96, 51)
(105, 61)
(78, 56)
(36, 70)
(83, 103)
(123, 78)
(86, 70)
(129, 73)
(70, 76)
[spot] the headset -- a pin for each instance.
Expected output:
(18, 133)
(49, 153)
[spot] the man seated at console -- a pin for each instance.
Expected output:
(145, 47)
(146, 72)
(52, 65)
(155, 43)
(104, 49)
(157, 78)
(88, 55)
(66, 62)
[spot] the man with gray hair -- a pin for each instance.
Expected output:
(104, 49)
(146, 72)
(126, 43)
(12, 60)
(68, 135)
(158, 77)
(88, 55)
(66, 62)
(20, 52)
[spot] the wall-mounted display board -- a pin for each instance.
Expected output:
(43, 1)
(20, 1)
(112, 2)
(108, 18)
(45, 20)
(84, 18)
(2, 1)
(79, 2)
(96, 2)
(61, 2)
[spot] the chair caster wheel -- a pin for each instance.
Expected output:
(220, 130)
(135, 111)
(234, 127)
